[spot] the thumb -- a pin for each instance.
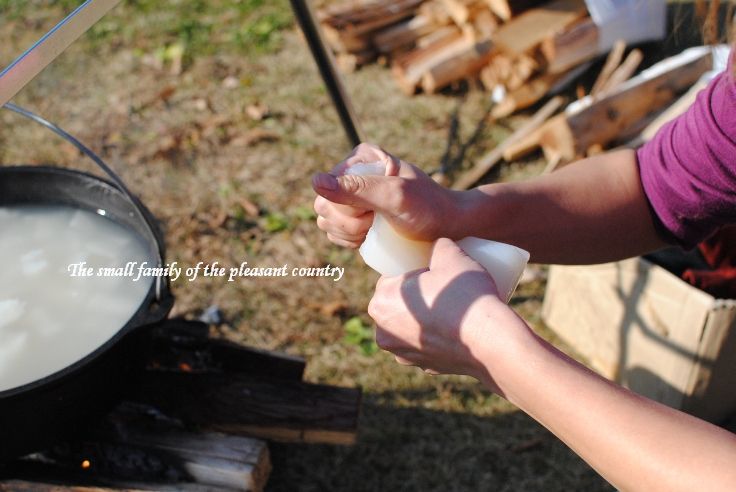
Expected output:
(447, 253)
(368, 192)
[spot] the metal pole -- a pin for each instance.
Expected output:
(326, 64)
(51, 45)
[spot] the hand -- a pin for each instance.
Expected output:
(446, 319)
(411, 201)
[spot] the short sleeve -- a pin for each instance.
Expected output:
(688, 170)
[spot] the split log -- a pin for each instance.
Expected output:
(526, 95)
(484, 25)
(403, 34)
(134, 450)
(436, 37)
(531, 28)
(462, 65)
(509, 72)
(623, 72)
(603, 121)
(409, 70)
(290, 411)
(673, 111)
(612, 63)
(221, 386)
(185, 345)
(349, 15)
(573, 46)
(458, 10)
(506, 9)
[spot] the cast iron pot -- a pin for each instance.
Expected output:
(35, 415)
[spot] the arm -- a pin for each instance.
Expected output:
(447, 319)
(591, 211)
(633, 442)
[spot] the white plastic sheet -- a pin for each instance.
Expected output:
(634, 21)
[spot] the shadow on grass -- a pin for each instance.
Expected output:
(424, 450)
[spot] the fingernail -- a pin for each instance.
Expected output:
(325, 181)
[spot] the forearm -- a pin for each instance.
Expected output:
(633, 442)
(591, 211)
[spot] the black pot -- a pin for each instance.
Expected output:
(34, 416)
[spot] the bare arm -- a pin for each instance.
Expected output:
(635, 443)
(448, 319)
(591, 211)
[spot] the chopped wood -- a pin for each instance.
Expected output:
(573, 46)
(523, 146)
(506, 9)
(509, 72)
(403, 34)
(348, 14)
(349, 62)
(623, 72)
(458, 10)
(451, 69)
(604, 120)
(437, 36)
(673, 111)
(491, 159)
(484, 25)
(187, 342)
(342, 42)
(526, 95)
(523, 33)
(431, 44)
(244, 405)
(612, 63)
(409, 70)
(134, 449)
(436, 12)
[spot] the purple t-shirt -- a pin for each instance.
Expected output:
(688, 170)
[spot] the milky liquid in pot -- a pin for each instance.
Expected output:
(49, 319)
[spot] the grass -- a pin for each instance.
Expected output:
(177, 137)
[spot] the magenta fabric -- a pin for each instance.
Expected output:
(688, 170)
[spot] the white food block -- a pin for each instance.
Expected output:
(391, 254)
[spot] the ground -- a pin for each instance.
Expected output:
(166, 92)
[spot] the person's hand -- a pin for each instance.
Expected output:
(446, 319)
(410, 200)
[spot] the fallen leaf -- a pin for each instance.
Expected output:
(334, 308)
(202, 104)
(166, 93)
(258, 111)
(230, 82)
(250, 208)
(254, 137)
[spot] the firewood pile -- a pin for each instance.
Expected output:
(527, 48)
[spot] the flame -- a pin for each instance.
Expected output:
(86, 464)
(185, 367)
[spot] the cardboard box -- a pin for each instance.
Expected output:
(640, 325)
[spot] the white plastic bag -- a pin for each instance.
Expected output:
(634, 21)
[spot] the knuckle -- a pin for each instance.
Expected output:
(400, 194)
(373, 310)
(353, 227)
(354, 184)
(367, 146)
(322, 223)
(321, 206)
